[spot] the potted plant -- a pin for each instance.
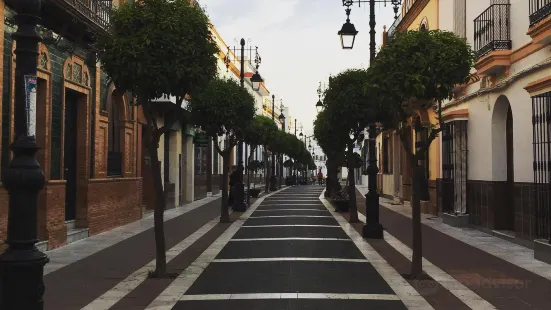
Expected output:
(340, 200)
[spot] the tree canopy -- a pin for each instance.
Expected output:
(327, 139)
(424, 65)
(223, 108)
(259, 131)
(174, 57)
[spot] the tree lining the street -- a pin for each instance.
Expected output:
(416, 71)
(224, 108)
(158, 49)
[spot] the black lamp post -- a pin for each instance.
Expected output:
(372, 229)
(22, 264)
(319, 104)
(240, 201)
(273, 178)
(282, 121)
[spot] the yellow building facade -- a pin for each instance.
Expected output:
(394, 180)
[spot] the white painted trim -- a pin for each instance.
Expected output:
(290, 238)
(272, 216)
(289, 259)
(407, 294)
(283, 225)
(168, 298)
(123, 288)
(463, 293)
(258, 296)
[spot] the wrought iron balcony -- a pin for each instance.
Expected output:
(492, 29)
(392, 29)
(539, 9)
(93, 13)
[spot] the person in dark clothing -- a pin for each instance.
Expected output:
(234, 178)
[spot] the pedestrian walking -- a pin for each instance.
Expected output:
(320, 177)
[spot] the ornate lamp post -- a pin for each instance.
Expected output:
(273, 178)
(372, 229)
(282, 121)
(240, 204)
(22, 264)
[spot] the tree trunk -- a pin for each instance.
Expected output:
(417, 258)
(160, 204)
(224, 212)
(353, 213)
(327, 179)
(266, 170)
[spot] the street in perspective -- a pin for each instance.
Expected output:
(283, 155)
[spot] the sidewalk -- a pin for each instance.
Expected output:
(82, 271)
(480, 271)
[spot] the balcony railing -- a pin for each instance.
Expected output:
(392, 29)
(97, 11)
(492, 29)
(539, 9)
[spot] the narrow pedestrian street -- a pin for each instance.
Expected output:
(288, 251)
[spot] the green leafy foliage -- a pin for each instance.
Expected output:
(424, 65)
(223, 108)
(354, 162)
(349, 109)
(288, 163)
(255, 165)
(259, 131)
(329, 140)
(157, 48)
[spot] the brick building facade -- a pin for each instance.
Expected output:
(88, 133)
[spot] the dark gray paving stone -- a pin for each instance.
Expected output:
(281, 206)
(291, 304)
(286, 232)
(291, 221)
(290, 277)
(294, 212)
(291, 248)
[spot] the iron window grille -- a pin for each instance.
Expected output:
(454, 167)
(539, 9)
(492, 29)
(541, 130)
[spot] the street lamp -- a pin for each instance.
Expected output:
(22, 264)
(348, 32)
(372, 228)
(282, 121)
(273, 185)
(256, 79)
(319, 104)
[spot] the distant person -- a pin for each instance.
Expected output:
(234, 178)
(320, 177)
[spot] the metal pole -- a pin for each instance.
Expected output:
(22, 264)
(294, 164)
(281, 155)
(273, 185)
(372, 228)
(239, 199)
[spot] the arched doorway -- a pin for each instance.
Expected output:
(503, 165)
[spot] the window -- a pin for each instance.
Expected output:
(114, 154)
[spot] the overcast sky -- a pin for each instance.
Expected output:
(298, 43)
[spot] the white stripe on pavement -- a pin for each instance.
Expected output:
(407, 294)
(276, 210)
(123, 288)
(289, 259)
(168, 298)
(266, 226)
(290, 238)
(290, 296)
(272, 216)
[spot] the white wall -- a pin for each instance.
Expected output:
(486, 157)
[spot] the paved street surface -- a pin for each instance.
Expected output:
(290, 252)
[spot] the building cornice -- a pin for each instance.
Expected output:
(416, 9)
